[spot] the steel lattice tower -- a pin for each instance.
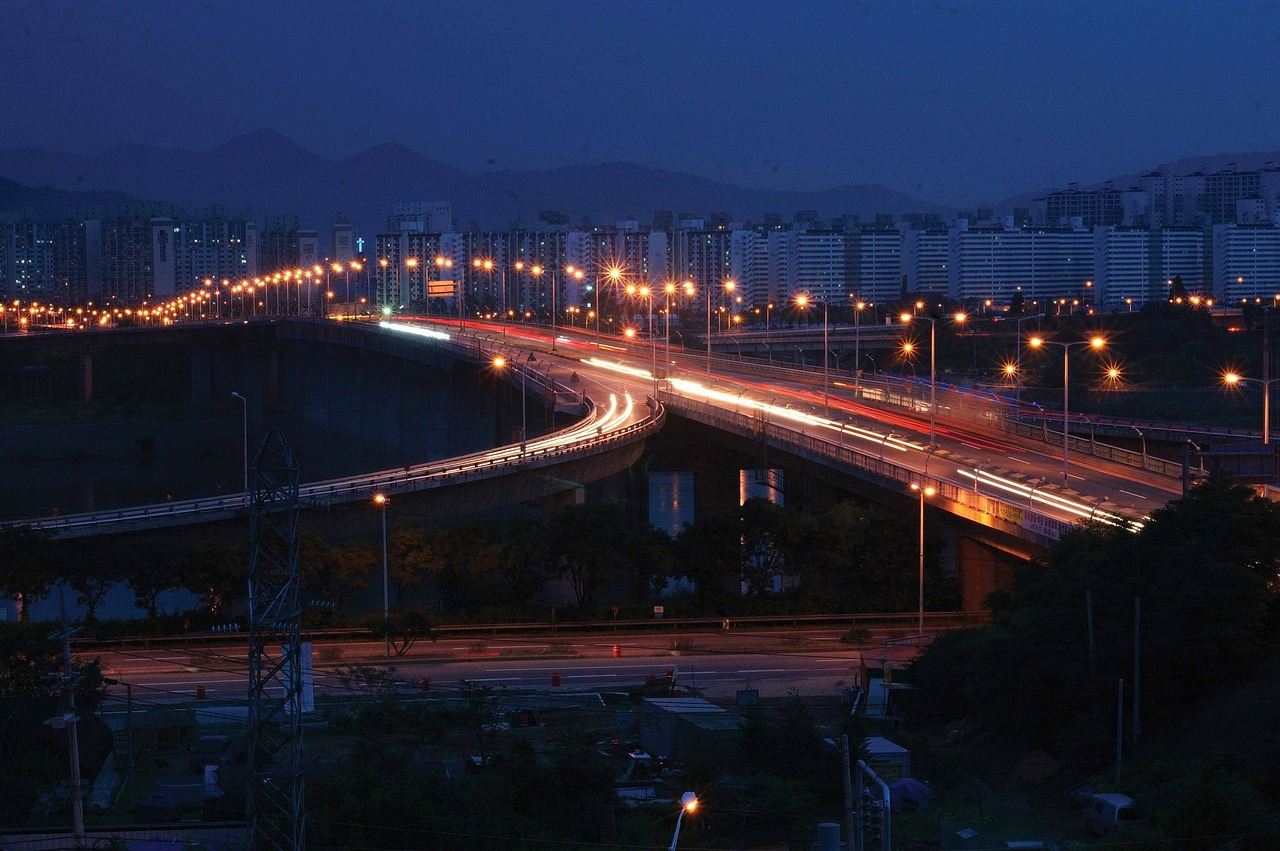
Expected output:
(275, 795)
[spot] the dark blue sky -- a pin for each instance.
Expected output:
(950, 101)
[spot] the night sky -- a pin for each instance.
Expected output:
(956, 102)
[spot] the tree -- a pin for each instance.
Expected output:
(334, 574)
(219, 573)
(408, 556)
(1204, 567)
(90, 568)
(749, 547)
(156, 569)
(464, 557)
(24, 558)
(402, 629)
(592, 544)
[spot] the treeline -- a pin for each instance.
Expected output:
(1197, 590)
(597, 560)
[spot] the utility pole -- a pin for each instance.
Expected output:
(68, 719)
(274, 806)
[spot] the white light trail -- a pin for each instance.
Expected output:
(415, 330)
(1048, 498)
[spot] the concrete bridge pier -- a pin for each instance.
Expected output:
(85, 376)
(201, 377)
(559, 501)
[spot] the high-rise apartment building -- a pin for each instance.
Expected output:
(876, 263)
(926, 253)
(1246, 263)
(991, 263)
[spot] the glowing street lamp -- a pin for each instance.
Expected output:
(1093, 342)
(1234, 379)
(381, 501)
(933, 367)
(688, 803)
(729, 287)
(858, 306)
(926, 491)
(803, 301)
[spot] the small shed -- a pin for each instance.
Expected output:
(889, 760)
(679, 728)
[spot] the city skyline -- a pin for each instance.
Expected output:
(974, 103)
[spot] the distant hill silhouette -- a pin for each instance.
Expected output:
(44, 202)
(264, 173)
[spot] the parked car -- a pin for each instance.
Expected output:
(210, 750)
(1109, 812)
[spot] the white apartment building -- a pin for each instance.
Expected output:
(1246, 263)
(876, 264)
(925, 259)
(818, 268)
(1124, 265)
(992, 263)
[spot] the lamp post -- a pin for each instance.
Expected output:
(729, 287)
(614, 275)
(1143, 438)
(669, 288)
(1017, 393)
(804, 301)
(858, 307)
(1094, 342)
(925, 491)
(933, 370)
(500, 363)
(244, 406)
(1233, 379)
(380, 500)
(688, 803)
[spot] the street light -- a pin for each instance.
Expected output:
(1093, 342)
(1233, 379)
(926, 491)
(381, 500)
(858, 307)
(729, 287)
(500, 362)
(244, 405)
(802, 301)
(1143, 438)
(933, 369)
(1017, 393)
(614, 274)
(688, 803)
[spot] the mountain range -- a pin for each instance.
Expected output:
(263, 173)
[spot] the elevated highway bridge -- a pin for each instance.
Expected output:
(999, 479)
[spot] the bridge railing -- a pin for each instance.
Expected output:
(966, 498)
(433, 474)
(986, 408)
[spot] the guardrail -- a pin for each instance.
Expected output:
(457, 470)
(990, 409)
(1036, 526)
(888, 620)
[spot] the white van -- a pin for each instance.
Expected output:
(1108, 812)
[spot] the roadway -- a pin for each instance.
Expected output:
(815, 661)
(617, 374)
(967, 454)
